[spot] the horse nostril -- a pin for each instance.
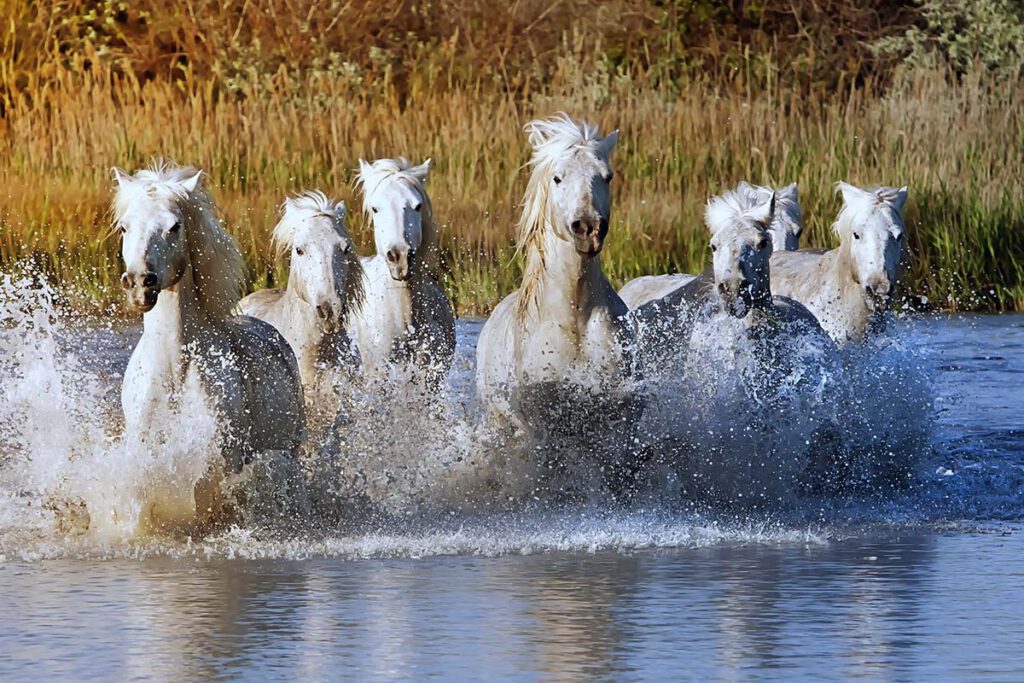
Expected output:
(126, 282)
(577, 226)
(392, 255)
(149, 281)
(321, 311)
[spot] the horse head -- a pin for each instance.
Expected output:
(573, 172)
(394, 195)
(870, 227)
(324, 266)
(153, 232)
(741, 248)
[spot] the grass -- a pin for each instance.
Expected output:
(957, 142)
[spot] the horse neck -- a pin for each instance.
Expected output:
(853, 303)
(430, 248)
(177, 318)
(568, 280)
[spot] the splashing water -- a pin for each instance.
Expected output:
(62, 460)
(727, 448)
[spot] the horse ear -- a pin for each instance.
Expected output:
(850, 193)
(609, 142)
(901, 199)
(192, 182)
(765, 212)
(121, 176)
(422, 171)
(788, 192)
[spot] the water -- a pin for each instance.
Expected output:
(887, 583)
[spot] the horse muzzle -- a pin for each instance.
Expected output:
(588, 235)
(877, 296)
(399, 263)
(328, 318)
(141, 290)
(736, 301)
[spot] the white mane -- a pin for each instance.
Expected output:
(552, 139)
(857, 201)
(218, 270)
(787, 204)
(400, 170)
(732, 207)
(372, 175)
(307, 204)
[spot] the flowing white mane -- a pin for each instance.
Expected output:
(732, 207)
(309, 204)
(787, 204)
(857, 201)
(372, 176)
(218, 270)
(306, 204)
(552, 139)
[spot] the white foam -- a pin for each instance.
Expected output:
(422, 467)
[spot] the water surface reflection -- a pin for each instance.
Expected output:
(892, 606)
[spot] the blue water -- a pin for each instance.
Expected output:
(921, 584)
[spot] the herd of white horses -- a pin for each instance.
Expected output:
(264, 360)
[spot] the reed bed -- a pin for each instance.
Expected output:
(957, 142)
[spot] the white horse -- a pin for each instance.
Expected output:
(750, 355)
(849, 288)
(740, 223)
(563, 338)
(325, 288)
(407, 318)
(786, 226)
(184, 272)
(741, 247)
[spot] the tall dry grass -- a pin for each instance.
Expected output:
(959, 144)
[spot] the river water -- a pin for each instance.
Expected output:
(922, 581)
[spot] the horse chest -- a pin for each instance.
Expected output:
(582, 344)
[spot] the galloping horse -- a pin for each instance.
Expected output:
(556, 353)
(325, 288)
(849, 289)
(785, 229)
(407, 319)
(184, 272)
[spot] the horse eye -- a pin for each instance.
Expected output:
(299, 252)
(762, 244)
(714, 248)
(348, 248)
(122, 228)
(610, 177)
(374, 209)
(899, 237)
(856, 235)
(176, 227)
(557, 180)
(418, 207)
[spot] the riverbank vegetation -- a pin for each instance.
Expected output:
(274, 96)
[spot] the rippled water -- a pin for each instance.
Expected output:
(899, 584)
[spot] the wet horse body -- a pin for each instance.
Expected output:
(184, 272)
(324, 289)
(849, 288)
(407, 321)
(555, 357)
